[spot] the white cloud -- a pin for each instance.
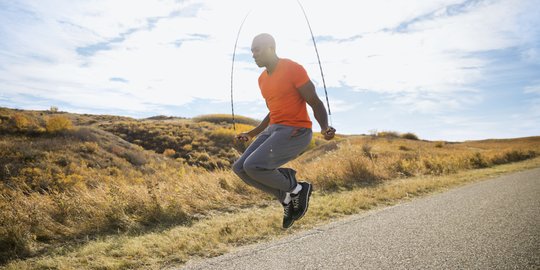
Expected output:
(423, 54)
(532, 89)
(436, 55)
(426, 102)
(531, 55)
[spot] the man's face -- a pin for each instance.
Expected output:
(261, 52)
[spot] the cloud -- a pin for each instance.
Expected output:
(531, 55)
(63, 65)
(338, 105)
(532, 89)
(116, 79)
(433, 103)
(427, 57)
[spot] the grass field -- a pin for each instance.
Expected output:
(85, 194)
(223, 232)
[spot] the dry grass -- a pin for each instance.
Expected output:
(367, 160)
(85, 198)
(223, 232)
(58, 190)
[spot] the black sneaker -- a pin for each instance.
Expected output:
(288, 219)
(300, 201)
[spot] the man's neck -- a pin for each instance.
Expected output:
(272, 65)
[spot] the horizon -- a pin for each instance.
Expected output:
(369, 133)
(444, 70)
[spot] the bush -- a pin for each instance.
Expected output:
(513, 156)
(134, 157)
(222, 135)
(409, 136)
(439, 144)
(388, 134)
(169, 152)
(360, 171)
(407, 167)
(478, 161)
(227, 118)
(84, 134)
(58, 123)
(89, 147)
(404, 148)
(20, 121)
(367, 150)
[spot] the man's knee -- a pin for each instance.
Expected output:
(251, 168)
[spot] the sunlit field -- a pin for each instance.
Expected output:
(108, 192)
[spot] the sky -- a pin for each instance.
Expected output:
(451, 70)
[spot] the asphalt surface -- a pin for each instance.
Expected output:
(493, 224)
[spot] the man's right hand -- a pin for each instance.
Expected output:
(328, 133)
(244, 136)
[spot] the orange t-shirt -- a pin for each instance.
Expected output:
(280, 90)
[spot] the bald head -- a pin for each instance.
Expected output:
(265, 40)
(263, 48)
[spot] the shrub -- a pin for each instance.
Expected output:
(366, 150)
(388, 134)
(360, 171)
(89, 147)
(20, 121)
(407, 167)
(513, 156)
(404, 148)
(187, 147)
(58, 123)
(222, 135)
(227, 118)
(135, 157)
(169, 152)
(439, 144)
(409, 136)
(84, 134)
(478, 161)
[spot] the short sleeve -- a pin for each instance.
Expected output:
(299, 75)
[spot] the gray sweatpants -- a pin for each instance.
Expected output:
(275, 146)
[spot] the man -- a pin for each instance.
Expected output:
(285, 131)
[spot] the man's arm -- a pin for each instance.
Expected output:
(264, 123)
(308, 93)
(245, 136)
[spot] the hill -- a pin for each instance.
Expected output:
(69, 178)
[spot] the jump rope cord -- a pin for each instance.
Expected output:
(318, 59)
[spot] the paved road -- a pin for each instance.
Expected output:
(494, 224)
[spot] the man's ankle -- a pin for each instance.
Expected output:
(296, 190)
(287, 199)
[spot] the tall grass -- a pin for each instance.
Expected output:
(61, 190)
(370, 160)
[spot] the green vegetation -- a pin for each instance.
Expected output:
(409, 136)
(395, 135)
(108, 192)
(226, 118)
(201, 144)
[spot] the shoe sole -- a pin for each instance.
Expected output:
(307, 202)
(288, 226)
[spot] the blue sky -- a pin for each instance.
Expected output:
(445, 70)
